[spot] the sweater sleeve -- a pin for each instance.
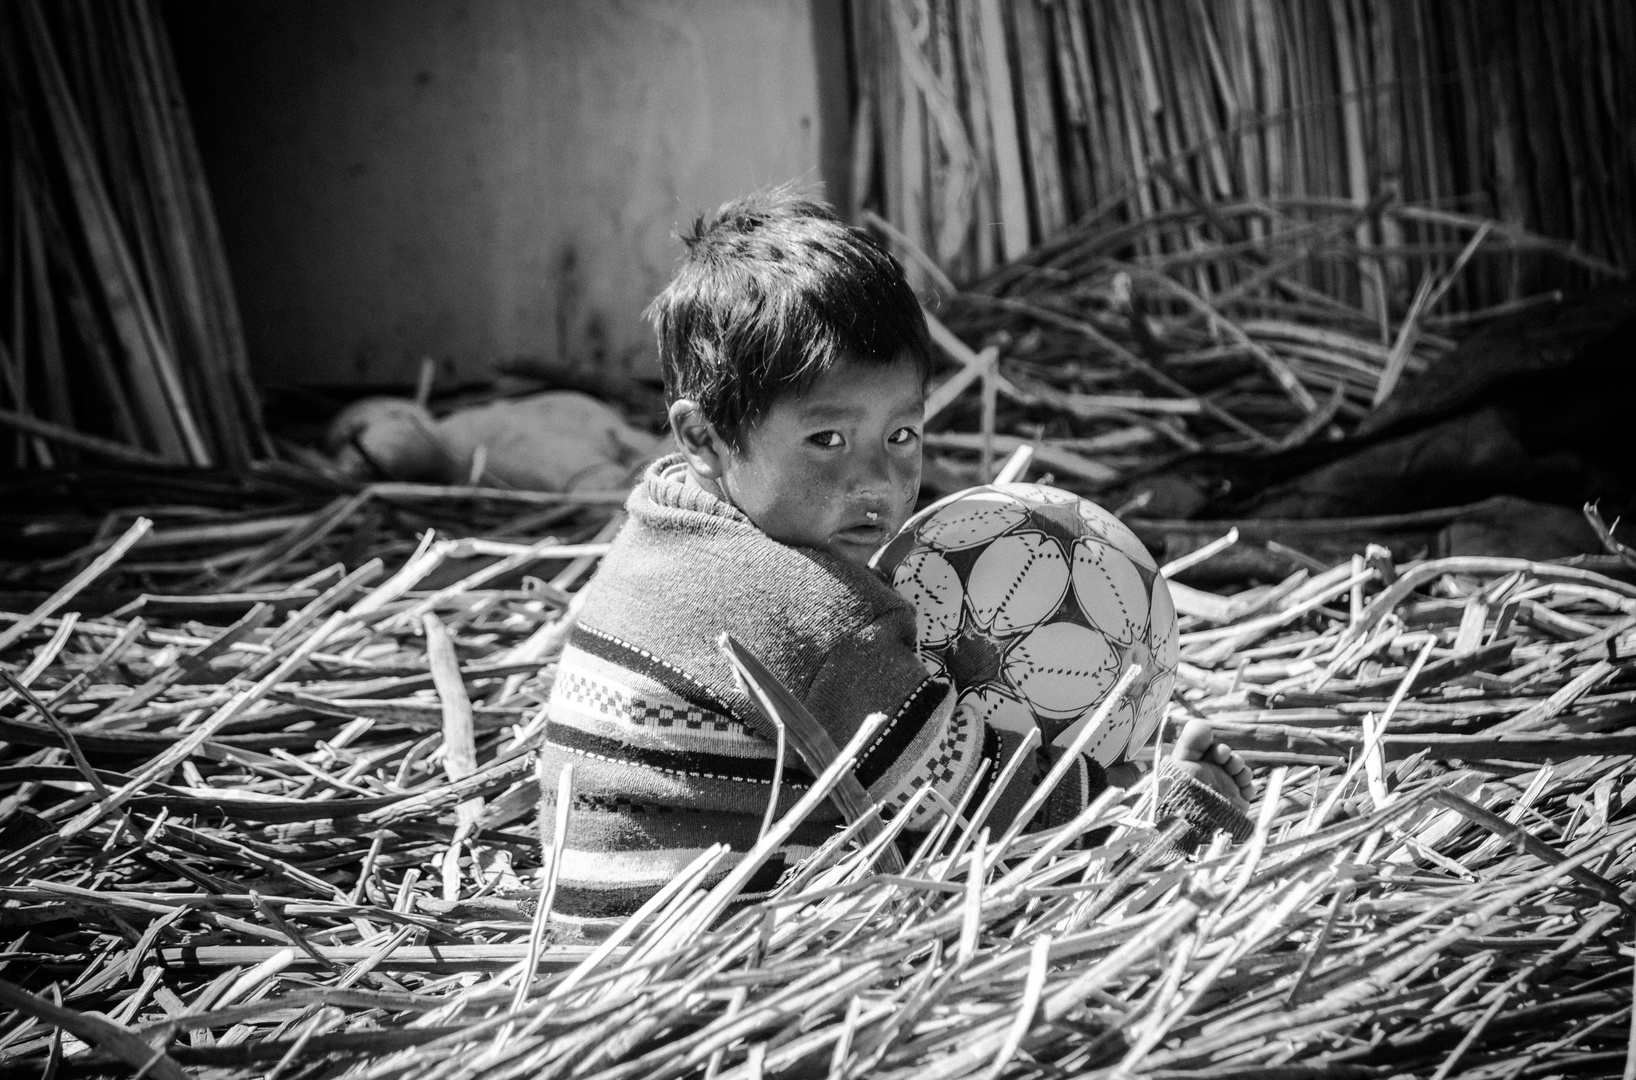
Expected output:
(927, 740)
(1079, 785)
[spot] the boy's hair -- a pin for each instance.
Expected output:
(772, 292)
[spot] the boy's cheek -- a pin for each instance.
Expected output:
(909, 485)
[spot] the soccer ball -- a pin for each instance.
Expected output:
(1032, 601)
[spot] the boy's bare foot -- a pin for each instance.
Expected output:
(1199, 755)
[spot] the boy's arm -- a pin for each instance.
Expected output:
(1082, 783)
(923, 742)
(927, 740)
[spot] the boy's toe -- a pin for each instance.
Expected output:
(1195, 740)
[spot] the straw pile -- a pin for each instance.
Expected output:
(1113, 364)
(278, 845)
(119, 334)
(218, 533)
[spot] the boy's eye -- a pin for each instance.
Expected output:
(903, 436)
(827, 439)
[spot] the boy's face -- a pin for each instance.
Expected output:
(837, 468)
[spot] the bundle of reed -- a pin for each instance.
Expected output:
(121, 337)
(1112, 362)
(983, 128)
(302, 846)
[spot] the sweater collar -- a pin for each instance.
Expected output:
(664, 487)
(664, 500)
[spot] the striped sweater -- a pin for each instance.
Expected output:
(669, 754)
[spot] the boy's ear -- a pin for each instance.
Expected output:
(702, 446)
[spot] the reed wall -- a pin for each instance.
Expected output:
(984, 127)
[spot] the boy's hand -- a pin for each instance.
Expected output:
(1213, 763)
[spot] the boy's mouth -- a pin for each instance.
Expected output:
(869, 534)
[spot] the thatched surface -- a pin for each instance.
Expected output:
(240, 864)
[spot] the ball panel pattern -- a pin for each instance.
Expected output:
(997, 708)
(1040, 493)
(1152, 710)
(1162, 636)
(1110, 529)
(1031, 601)
(1016, 583)
(1111, 592)
(935, 667)
(1110, 742)
(967, 522)
(926, 580)
(1062, 669)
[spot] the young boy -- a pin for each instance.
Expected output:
(796, 359)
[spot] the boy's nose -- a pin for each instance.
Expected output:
(883, 485)
(874, 473)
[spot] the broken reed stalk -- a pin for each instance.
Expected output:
(1604, 532)
(271, 842)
